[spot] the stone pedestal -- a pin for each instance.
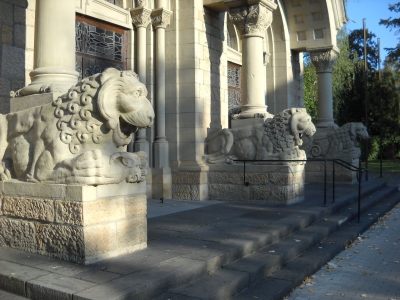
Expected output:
(188, 185)
(315, 172)
(82, 224)
(271, 184)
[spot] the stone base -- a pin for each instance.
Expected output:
(315, 172)
(239, 123)
(190, 185)
(82, 224)
(272, 184)
(161, 183)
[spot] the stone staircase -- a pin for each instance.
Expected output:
(228, 250)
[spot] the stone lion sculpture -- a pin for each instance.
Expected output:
(277, 138)
(81, 137)
(340, 142)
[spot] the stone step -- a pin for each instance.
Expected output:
(288, 261)
(184, 256)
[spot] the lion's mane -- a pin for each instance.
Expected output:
(80, 118)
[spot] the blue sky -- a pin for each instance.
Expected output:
(373, 11)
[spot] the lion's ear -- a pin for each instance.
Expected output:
(305, 119)
(108, 73)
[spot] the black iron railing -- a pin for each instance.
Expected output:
(340, 162)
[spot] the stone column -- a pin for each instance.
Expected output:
(160, 17)
(253, 21)
(323, 62)
(141, 19)
(54, 55)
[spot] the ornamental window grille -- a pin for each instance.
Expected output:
(234, 86)
(228, 39)
(234, 76)
(98, 46)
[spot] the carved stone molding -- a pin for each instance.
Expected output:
(161, 17)
(141, 16)
(323, 61)
(141, 3)
(252, 20)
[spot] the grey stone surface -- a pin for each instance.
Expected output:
(9, 296)
(53, 286)
(210, 287)
(13, 62)
(13, 276)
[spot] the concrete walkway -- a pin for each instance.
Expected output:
(369, 269)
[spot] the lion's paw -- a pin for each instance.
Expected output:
(88, 165)
(4, 173)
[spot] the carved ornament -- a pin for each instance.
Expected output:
(324, 60)
(141, 17)
(161, 17)
(251, 20)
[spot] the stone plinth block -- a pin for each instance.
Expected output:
(272, 184)
(82, 224)
(315, 172)
(190, 186)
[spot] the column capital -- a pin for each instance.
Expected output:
(161, 17)
(324, 60)
(141, 16)
(252, 20)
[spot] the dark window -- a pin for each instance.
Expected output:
(99, 45)
(234, 86)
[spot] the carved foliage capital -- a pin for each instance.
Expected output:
(161, 17)
(141, 16)
(251, 20)
(323, 61)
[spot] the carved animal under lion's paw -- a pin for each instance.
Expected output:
(278, 138)
(81, 137)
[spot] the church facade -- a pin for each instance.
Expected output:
(202, 61)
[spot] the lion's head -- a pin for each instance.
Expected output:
(358, 132)
(114, 98)
(293, 121)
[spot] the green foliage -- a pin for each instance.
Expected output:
(393, 23)
(310, 89)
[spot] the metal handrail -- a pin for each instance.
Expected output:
(334, 161)
(350, 167)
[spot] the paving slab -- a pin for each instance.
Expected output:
(9, 296)
(54, 286)
(210, 287)
(13, 276)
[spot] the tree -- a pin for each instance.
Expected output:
(342, 77)
(393, 23)
(310, 88)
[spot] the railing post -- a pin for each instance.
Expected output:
(333, 181)
(244, 172)
(325, 186)
(359, 195)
